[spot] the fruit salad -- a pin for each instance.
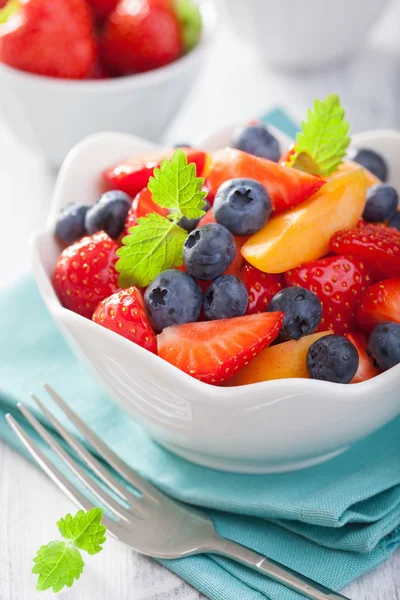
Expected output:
(252, 264)
(96, 39)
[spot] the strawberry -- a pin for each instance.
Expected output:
(366, 367)
(377, 244)
(339, 282)
(85, 273)
(286, 156)
(132, 175)
(102, 8)
(381, 302)
(262, 287)
(286, 187)
(41, 38)
(222, 347)
(139, 37)
(142, 205)
(124, 313)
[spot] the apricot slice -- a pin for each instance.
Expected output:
(303, 233)
(350, 166)
(282, 361)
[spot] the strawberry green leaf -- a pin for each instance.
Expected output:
(154, 244)
(58, 564)
(322, 142)
(175, 186)
(84, 530)
(190, 21)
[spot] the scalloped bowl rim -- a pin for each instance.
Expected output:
(282, 387)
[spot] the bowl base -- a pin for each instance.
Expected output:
(250, 467)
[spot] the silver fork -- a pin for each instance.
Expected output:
(154, 524)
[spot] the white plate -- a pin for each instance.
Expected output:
(265, 427)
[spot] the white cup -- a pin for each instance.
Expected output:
(304, 33)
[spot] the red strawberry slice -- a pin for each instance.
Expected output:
(381, 302)
(262, 287)
(339, 283)
(214, 351)
(375, 243)
(85, 273)
(286, 187)
(142, 205)
(133, 174)
(366, 367)
(124, 313)
(45, 37)
(286, 156)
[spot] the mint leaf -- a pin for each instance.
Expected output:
(84, 530)
(321, 144)
(154, 244)
(190, 21)
(58, 564)
(175, 186)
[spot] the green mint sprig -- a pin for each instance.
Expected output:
(156, 243)
(190, 21)
(60, 563)
(322, 142)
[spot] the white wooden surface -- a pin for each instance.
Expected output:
(234, 86)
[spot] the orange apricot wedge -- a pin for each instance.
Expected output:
(282, 361)
(303, 233)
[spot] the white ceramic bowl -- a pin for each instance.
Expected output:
(260, 428)
(304, 34)
(51, 115)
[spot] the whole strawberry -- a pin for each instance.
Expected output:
(85, 273)
(339, 282)
(261, 287)
(57, 41)
(138, 37)
(124, 313)
(380, 303)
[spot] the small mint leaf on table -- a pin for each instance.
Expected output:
(154, 245)
(58, 564)
(175, 186)
(84, 530)
(322, 142)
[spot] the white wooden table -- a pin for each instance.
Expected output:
(234, 86)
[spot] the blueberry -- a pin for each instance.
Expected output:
(173, 297)
(225, 298)
(257, 140)
(242, 206)
(109, 214)
(303, 312)
(182, 146)
(208, 251)
(190, 224)
(382, 201)
(70, 224)
(372, 161)
(395, 221)
(332, 358)
(384, 344)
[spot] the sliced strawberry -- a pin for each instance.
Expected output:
(366, 367)
(339, 283)
(381, 302)
(124, 313)
(133, 174)
(214, 351)
(284, 159)
(85, 273)
(375, 243)
(286, 187)
(207, 218)
(262, 287)
(142, 205)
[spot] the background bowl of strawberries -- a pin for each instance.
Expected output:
(254, 425)
(71, 68)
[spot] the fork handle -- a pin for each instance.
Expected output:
(289, 578)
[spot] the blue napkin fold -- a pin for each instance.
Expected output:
(332, 522)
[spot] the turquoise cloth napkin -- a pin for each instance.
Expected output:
(332, 522)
